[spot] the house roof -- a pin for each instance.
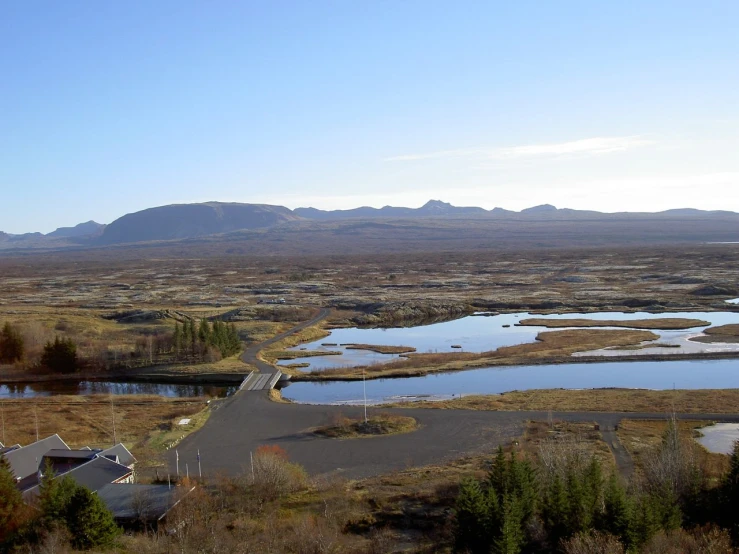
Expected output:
(120, 454)
(6, 449)
(137, 502)
(97, 473)
(25, 461)
(70, 454)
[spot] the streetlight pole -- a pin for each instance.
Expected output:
(364, 389)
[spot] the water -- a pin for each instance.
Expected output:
(733, 301)
(47, 388)
(643, 375)
(720, 437)
(483, 333)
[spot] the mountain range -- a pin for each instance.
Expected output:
(230, 221)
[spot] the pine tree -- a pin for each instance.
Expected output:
(55, 496)
(645, 523)
(555, 511)
(89, 521)
(592, 493)
(177, 340)
(12, 346)
(204, 333)
(11, 503)
(729, 496)
(616, 518)
(60, 355)
(471, 514)
(510, 537)
(193, 339)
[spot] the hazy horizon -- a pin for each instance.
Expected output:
(109, 109)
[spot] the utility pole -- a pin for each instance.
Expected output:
(2, 414)
(35, 416)
(364, 389)
(112, 412)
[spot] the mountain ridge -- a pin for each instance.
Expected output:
(175, 222)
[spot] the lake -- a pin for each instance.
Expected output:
(720, 437)
(643, 375)
(481, 333)
(46, 388)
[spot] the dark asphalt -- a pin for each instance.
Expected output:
(242, 423)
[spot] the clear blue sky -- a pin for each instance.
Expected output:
(112, 107)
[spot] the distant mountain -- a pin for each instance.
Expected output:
(543, 209)
(180, 221)
(386, 228)
(430, 209)
(88, 229)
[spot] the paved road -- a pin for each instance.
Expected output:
(248, 420)
(250, 355)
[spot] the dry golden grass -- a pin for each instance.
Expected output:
(725, 330)
(664, 323)
(381, 348)
(292, 354)
(88, 420)
(379, 424)
(640, 437)
(583, 437)
(309, 334)
(232, 364)
(717, 401)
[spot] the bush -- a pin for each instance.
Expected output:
(274, 475)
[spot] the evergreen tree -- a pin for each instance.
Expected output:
(89, 521)
(193, 338)
(555, 511)
(471, 514)
(510, 536)
(645, 523)
(60, 355)
(12, 346)
(729, 496)
(616, 518)
(11, 504)
(177, 339)
(55, 496)
(204, 332)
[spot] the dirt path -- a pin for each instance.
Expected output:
(251, 354)
(624, 462)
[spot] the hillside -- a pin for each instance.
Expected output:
(180, 221)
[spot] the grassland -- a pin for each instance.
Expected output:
(88, 420)
(662, 323)
(719, 334)
(641, 437)
(381, 348)
(718, 401)
(376, 425)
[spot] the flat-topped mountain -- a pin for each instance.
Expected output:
(180, 221)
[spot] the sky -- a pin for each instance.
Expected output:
(107, 108)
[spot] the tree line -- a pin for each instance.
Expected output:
(571, 507)
(198, 341)
(189, 342)
(63, 511)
